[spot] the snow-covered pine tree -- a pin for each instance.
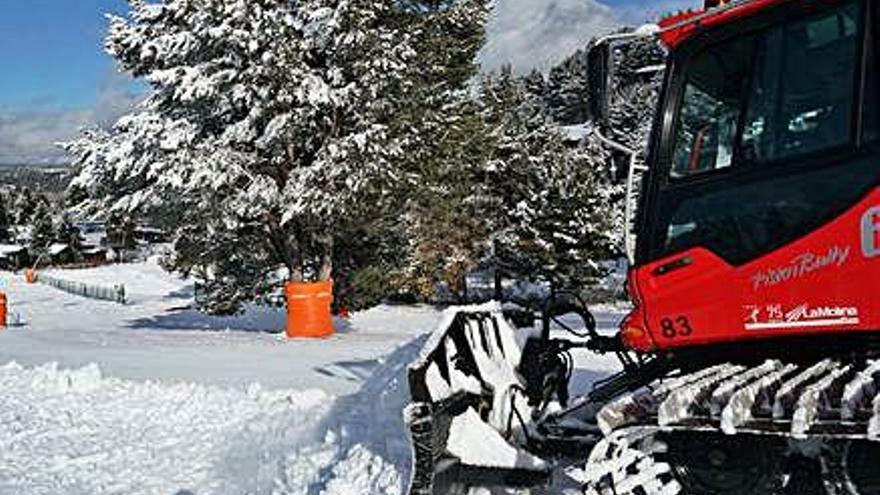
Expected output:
(42, 229)
(265, 116)
(447, 232)
(566, 92)
(445, 139)
(66, 232)
(548, 204)
(5, 224)
(23, 207)
(536, 86)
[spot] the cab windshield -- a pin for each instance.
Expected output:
(784, 92)
(764, 148)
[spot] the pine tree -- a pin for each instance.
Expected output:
(511, 196)
(550, 207)
(447, 234)
(445, 140)
(42, 230)
(120, 231)
(272, 115)
(24, 207)
(567, 90)
(5, 234)
(68, 233)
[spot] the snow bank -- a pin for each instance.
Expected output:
(76, 432)
(366, 448)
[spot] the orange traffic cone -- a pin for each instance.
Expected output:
(3, 310)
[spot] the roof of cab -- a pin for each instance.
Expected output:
(679, 27)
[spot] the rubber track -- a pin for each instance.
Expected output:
(828, 399)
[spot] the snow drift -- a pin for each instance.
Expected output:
(77, 432)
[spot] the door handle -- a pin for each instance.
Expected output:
(674, 265)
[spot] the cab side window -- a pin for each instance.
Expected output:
(872, 93)
(801, 99)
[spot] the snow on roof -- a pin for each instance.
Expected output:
(94, 238)
(576, 132)
(23, 233)
(649, 69)
(7, 249)
(58, 248)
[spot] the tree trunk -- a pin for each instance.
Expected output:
(464, 288)
(326, 261)
(286, 249)
(499, 289)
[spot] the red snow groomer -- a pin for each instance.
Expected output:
(751, 362)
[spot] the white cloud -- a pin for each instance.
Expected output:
(537, 34)
(116, 97)
(30, 137)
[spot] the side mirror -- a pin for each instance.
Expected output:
(599, 67)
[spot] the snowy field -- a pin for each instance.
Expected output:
(157, 338)
(154, 398)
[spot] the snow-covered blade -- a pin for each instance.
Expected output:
(470, 418)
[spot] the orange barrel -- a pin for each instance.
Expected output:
(30, 276)
(308, 309)
(2, 310)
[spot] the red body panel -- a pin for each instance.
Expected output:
(824, 283)
(675, 37)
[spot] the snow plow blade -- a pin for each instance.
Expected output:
(469, 415)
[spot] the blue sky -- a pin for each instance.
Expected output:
(56, 77)
(51, 53)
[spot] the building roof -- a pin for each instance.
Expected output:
(8, 249)
(94, 250)
(58, 248)
(576, 132)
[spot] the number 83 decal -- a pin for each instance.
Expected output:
(675, 327)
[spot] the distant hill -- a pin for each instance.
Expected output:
(43, 166)
(43, 179)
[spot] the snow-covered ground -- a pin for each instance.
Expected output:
(154, 398)
(157, 337)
